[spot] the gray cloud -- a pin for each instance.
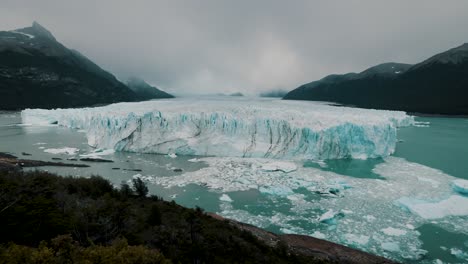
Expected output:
(205, 46)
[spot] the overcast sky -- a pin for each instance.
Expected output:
(204, 46)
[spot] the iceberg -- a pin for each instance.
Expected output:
(454, 205)
(460, 186)
(65, 150)
(391, 246)
(393, 231)
(260, 128)
(225, 198)
(329, 217)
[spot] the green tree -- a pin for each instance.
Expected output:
(140, 187)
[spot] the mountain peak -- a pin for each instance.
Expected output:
(42, 31)
(455, 55)
(37, 30)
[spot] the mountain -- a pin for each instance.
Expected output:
(274, 93)
(438, 85)
(144, 91)
(38, 71)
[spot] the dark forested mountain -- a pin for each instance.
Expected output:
(145, 91)
(37, 71)
(438, 85)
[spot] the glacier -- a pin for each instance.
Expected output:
(233, 127)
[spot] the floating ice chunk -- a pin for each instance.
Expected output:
(459, 254)
(98, 153)
(391, 246)
(330, 217)
(194, 160)
(357, 239)
(66, 150)
(393, 231)
(455, 205)
(460, 186)
(276, 190)
(172, 155)
(283, 166)
(296, 197)
(225, 198)
(438, 261)
(319, 235)
(39, 143)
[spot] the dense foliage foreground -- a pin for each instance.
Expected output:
(46, 218)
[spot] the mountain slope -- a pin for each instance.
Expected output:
(438, 85)
(145, 91)
(37, 71)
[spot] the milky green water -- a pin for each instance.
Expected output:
(442, 145)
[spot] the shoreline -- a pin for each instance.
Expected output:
(295, 244)
(309, 246)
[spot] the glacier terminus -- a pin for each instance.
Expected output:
(240, 127)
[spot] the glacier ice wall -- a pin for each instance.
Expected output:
(266, 128)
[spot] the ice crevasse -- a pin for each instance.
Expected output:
(265, 128)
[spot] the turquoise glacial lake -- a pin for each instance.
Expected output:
(353, 202)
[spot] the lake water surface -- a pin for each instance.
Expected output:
(361, 196)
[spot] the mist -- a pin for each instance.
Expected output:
(209, 46)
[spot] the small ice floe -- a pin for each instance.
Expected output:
(276, 190)
(333, 189)
(459, 254)
(421, 124)
(357, 239)
(172, 155)
(330, 217)
(455, 205)
(98, 153)
(393, 231)
(460, 186)
(318, 234)
(194, 160)
(391, 246)
(225, 198)
(66, 150)
(283, 166)
(173, 196)
(39, 143)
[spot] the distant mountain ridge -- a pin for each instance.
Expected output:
(145, 91)
(274, 93)
(36, 71)
(438, 85)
